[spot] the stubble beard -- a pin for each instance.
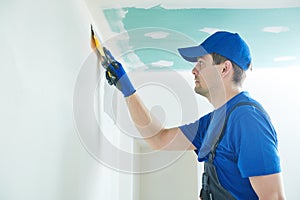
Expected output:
(199, 90)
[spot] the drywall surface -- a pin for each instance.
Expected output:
(178, 181)
(43, 47)
(195, 4)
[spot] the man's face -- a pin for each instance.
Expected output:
(207, 76)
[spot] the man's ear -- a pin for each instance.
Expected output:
(226, 68)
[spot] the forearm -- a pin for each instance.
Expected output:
(148, 125)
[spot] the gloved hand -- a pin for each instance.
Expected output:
(116, 75)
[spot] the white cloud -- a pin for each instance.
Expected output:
(157, 34)
(284, 58)
(123, 13)
(163, 63)
(209, 30)
(275, 29)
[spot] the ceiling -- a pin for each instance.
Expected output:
(146, 36)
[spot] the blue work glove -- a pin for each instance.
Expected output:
(116, 75)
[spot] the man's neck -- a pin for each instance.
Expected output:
(220, 98)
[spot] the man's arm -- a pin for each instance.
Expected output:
(151, 129)
(269, 187)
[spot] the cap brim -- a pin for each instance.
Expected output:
(191, 54)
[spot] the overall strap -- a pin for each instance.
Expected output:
(220, 136)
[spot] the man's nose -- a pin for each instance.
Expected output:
(195, 71)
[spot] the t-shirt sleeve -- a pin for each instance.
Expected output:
(258, 146)
(195, 131)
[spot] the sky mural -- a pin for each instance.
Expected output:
(150, 37)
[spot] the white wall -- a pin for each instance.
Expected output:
(43, 45)
(177, 181)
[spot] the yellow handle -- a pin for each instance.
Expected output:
(98, 46)
(96, 43)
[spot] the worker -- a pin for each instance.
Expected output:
(236, 141)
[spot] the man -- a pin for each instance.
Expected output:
(236, 141)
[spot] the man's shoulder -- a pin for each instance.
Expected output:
(243, 103)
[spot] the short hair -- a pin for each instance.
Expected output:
(239, 74)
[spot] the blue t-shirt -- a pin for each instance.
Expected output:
(248, 148)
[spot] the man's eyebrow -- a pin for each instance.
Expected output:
(200, 59)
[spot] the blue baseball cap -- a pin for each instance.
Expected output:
(229, 45)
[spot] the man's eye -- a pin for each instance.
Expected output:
(200, 63)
